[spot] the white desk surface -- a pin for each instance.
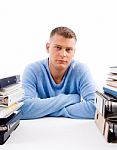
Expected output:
(57, 134)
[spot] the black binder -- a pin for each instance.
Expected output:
(106, 104)
(4, 82)
(107, 126)
(8, 125)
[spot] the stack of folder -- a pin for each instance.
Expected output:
(106, 107)
(10, 103)
(106, 116)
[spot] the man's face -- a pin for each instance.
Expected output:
(61, 51)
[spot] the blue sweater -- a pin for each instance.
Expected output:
(73, 97)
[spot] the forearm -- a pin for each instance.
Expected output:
(82, 110)
(36, 107)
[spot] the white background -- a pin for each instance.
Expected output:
(25, 26)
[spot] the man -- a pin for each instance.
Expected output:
(58, 85)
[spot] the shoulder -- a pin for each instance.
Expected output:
(79, 67)
(82, 72)
(36, 66)
(35, 69)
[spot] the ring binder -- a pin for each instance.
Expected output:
(8, 125)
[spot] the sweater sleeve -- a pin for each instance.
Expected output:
(82, 110)
(86, 108)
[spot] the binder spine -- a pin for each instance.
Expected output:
(4, 82)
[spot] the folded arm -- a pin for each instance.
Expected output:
(36, 107)
(78, 110)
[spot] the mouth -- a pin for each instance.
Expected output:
(61, 61)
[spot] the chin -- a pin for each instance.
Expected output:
(61, 67)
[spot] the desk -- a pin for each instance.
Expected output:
(57, 134)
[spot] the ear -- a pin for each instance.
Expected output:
(47, 47)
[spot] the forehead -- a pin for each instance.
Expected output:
(60, 40)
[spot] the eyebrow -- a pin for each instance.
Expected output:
(61, 46)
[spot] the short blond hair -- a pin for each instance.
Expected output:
(63, 31)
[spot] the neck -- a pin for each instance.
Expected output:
(57, 78)
(57, 75)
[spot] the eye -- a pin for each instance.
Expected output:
(69, 50)
(57, 47)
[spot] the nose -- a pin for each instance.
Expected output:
(63, 53)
